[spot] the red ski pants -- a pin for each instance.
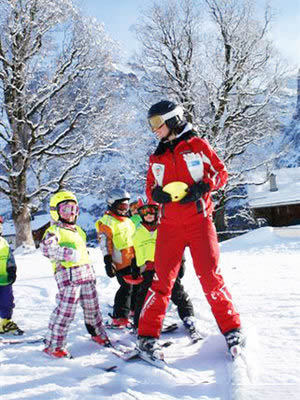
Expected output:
(201, 237)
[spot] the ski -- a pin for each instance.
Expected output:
(165, 329)
(169, 328)
(129, 353)
(135, 355)
(125, 354)
(156, 362)
(132, 354)
(25, 340)
(107, 368)
(110, 368)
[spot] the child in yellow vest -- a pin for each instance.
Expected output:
(114, 231)
(133, 211)
(144, 241)
(7, 278)
(65, 244)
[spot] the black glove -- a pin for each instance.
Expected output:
(11, 275)
(109, 267)
(135, 270)
(195, 192)
(160, 196)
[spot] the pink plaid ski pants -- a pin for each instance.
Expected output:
(76, 284)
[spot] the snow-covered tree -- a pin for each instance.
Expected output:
(215, 58)
(55, 92)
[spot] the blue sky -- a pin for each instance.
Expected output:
(119, 15)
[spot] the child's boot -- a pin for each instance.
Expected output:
(9, 326)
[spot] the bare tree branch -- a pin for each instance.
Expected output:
(51, 94)
(215, 59)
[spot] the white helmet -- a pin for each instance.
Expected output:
(117, 195)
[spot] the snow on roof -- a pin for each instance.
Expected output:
(37, 222)
(85, 220)
(288, 184)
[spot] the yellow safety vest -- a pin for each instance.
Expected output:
(122, 231)
(71, 239)
(4, 256)
(144, 245)
(136, 219)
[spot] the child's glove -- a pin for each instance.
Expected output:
(135, 270)
(11, 275)
(71, 255)
(160, 196)
(109, 266)
(195, 191)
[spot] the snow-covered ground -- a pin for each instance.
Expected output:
(262, 271)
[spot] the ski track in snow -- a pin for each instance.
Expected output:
(262, 272)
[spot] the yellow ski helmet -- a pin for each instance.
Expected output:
(177, 190)
(57, 198)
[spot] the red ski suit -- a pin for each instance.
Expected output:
(183, 225)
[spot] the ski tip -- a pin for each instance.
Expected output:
(167, 343)
(196, 340)
(112, 368)
(169, 328)
(156, 362)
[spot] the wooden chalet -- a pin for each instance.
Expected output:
(278, 200)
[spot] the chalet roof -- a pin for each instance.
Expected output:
(36, 223)
(288, 184)
(85, 221)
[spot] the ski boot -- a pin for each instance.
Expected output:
(119, 323)
(57, 353)
(236, 341)
(190, 325)
(101, 339)
(9, 326)
(150, 350)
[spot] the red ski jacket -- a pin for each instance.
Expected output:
(188, 159)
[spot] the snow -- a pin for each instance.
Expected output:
(261, 269)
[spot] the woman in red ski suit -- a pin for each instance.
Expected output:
(182, 156)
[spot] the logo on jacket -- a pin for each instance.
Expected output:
(158, 172)
(194, 164)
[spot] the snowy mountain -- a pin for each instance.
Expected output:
(288, 143)
(261, 270)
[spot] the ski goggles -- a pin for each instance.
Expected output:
(66, 210)
(143, 211)
(156, 122)
(133, 206)
(124, 206)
